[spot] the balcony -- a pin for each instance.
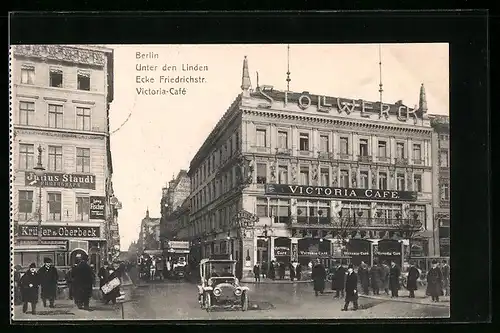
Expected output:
(418, 161)
(401, 161)
(383, 159)
(365, 158)
(261, 149)
(344, 156)
(283, 151)
(307, 153)
(325, 155)
(444, 203)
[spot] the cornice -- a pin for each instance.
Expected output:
(58, 133)
(62, 53)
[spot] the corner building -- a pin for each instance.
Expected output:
(292, 176)
(60, 103)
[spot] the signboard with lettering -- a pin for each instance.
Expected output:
(389, 250)
(54, 231)
(179, 245)
(359, 250)
(53, 179)
(97, 208)
(281, 251)
(339, 192)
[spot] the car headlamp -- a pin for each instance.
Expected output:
(236, 281)
(217, 292)
(210, 282)
(238, 292)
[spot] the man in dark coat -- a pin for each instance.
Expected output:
(394, 274)
(434, 281)
(281, 269)
(256, 272)
(376, 273)
(351, 285)
(292, 271)
(364, 277)
(29, 288)
(385, 277)
(47, 276)
(445, 269)
(298, 272)
(83, 281)
(271, 272)
(110, 274)
(338, 281)
(411, 282)
(318, 275)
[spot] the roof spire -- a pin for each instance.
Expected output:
(147, 213)
(422, 102)
(380, 85)
(245, 78)
(288, 69)
(257, 81)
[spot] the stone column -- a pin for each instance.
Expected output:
(294, 249)
(271, 247)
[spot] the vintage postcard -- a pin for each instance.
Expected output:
(202, 182)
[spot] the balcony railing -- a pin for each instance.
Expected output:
(359, 222)
(344, 156)
(365, 158)
(418, 161)
(383, 159)
(444, 203)
(401, 161)
(305, 152)
(283, 151)
(325, 155)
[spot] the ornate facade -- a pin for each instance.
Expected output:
(60, 105)
(292, 176)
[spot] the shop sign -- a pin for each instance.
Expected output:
(178, 245)
(60, 231)
(281, 251)
(53, 179)
(97, 208)
(313, 253)
(353, 254)
(339, 192)
(388, 253)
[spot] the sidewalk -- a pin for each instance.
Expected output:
(420, 298)
(270, 281)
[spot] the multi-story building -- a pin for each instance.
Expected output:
(292, 176)
(149, 236)
(60, 105)
(441, 202)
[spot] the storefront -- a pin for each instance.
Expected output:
(310, 249)
(69, 240)
(388, 250)
(283, 250)
(359, 250)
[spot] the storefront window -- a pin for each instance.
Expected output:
(280, 209)
(262, 209)
(301, 211)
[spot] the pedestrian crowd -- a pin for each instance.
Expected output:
(379, 278)
(277, 270)
(80, 279)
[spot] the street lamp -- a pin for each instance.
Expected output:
(39, 170)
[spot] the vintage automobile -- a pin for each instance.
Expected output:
(219, 286)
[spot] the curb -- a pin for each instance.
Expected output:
(275, 282)
(403, 300)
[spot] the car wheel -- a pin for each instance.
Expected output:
(244, 302)
(207, 301)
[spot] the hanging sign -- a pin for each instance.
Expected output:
(97, 208)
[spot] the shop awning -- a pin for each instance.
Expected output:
(38, 248)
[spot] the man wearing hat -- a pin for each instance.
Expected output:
(83, 281)
(29, 288)
(351, 286)
(48, 277)
(435, 281)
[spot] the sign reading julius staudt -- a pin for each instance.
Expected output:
(97, 208)
(54, 231)
(60, 180)
(339, 192)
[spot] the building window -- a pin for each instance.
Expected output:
(55, 116)
(26, 156)
(400, 150)
(363, 147)
(83, 160)
(304, 142)
(445, 192)
(26, 111)
(344, 178)
(444, 159)
(25, 205)
(382, 149)
(382, 181)
(400, 178)
(363, 179)
(262, 209)
(56, 77)
(417, 183)
(282, 139)
(261, 173)
(82, 208)
(304, 175)
(54, 205)
(83, 119)
(261, 138)
(282, 174)
(417, 152)
(55, 158)
(344, 146)
(324, 143)
(325, 177)
(83, 80)
(28, 74)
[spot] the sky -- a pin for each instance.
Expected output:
(153, 137)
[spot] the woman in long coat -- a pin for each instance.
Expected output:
(29, 288)
(318, 275)
(434, 281)
(411, 283)
(376, 273)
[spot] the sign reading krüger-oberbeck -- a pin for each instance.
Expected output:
(339, 192)
(60, 231)
(66, 180)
